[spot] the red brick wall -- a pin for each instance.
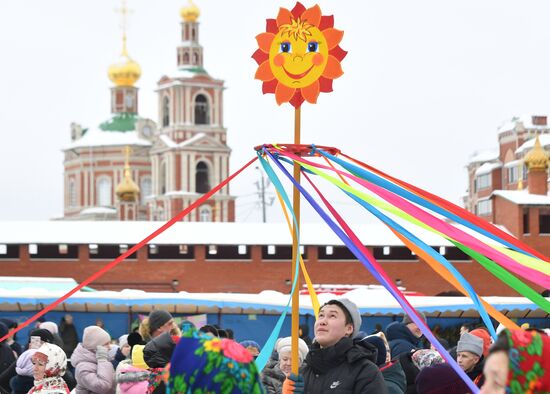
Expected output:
(249, 276)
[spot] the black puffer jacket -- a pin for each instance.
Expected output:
(343, 368)
(158, 352)
(411, 371)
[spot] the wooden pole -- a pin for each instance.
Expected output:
(295, 251)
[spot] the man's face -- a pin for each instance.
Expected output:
(467, 360)
(496, 373)
(414, 329)
(166, 327)
(331, 326)
(68, 319)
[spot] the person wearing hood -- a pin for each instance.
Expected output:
(12, 339)
(157, 354)
(23, 381)
(93, 370)
(469, 356)
(391, 370)
(335, 361)
(403, 336)
(276, 371)
(49, 365)
(7, 358)
(518, 362)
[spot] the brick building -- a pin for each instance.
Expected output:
(509, 187)
(221, 257)
(172, 162)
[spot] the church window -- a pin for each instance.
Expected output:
(202, 110)
(544, 221)
(146, 188)
(193, 34)
(186, 58)
(195, 58)
(162, 178)
(165, 111)
(201, 178)
(205, 214)
(104, 192)
(72, 193)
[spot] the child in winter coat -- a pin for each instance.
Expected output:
(93, 371)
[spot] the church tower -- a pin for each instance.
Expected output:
(190, 154)
(98, 159)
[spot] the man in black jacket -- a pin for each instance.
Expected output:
(335, 363)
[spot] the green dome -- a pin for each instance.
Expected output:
(124, 121)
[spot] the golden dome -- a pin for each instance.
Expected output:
(127, 190)
(190, 13)
(537, 158)
(125, 72)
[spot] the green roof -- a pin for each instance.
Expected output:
(124, 121)
(198, 70)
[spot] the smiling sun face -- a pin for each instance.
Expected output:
(298, 55)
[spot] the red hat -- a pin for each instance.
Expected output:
(484, 335)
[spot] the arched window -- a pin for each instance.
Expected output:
(104, 192)
(202, 110)
(162, 177)
(205, 214)
(165, 111)
(201, 178)
(186, 58)
(145, 187)
(72, 193)
(193, 35)
(195, 58)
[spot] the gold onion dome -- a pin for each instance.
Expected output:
(125, 72)
(127, 190)
(190, 13)
(537, 158)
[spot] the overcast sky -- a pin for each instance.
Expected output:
(426, 84)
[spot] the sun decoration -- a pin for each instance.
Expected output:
(298, 55)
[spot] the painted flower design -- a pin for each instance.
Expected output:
(235, 351)
(298, 55)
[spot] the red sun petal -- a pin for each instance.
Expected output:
(284, 17)
(283, 93)
(297, 99)
(260, 56)
(311, 92)
(271, 26)
(269, 86)
(333, 36)
(333, 69)
(298, 10)
(264, 73)
(326, 22)
(312, 15)
(264, 41)
(338, 53)
(325, 85)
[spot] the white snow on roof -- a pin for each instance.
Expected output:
(528, 145)
(172, 144)
(483, 155)
(522, 197)
(194, 233)
(98, 137)
(514, 163)
(97, 210)
(527, 121)
(487, 168)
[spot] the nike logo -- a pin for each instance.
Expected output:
(335, 384)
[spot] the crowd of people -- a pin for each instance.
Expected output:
(162, 357)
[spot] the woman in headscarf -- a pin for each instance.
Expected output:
(203, 364)
(518, 362)
(49, 365)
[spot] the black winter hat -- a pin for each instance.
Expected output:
(3, 329)
(157, 319)
(44, 335)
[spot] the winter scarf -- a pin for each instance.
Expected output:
(203, 364)
(529, 362)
